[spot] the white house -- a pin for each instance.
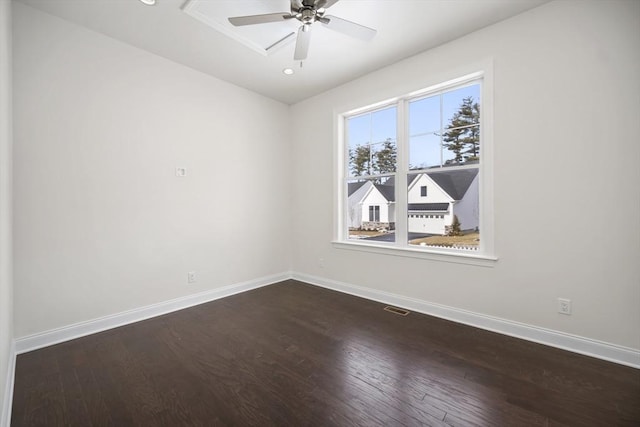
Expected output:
(371, 206)
(433, 199)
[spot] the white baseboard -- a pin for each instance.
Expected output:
(601, 350)
(77, 330)
(5, 416)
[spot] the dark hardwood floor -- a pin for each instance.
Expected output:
(293, 354)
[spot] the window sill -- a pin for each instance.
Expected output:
(430, 254)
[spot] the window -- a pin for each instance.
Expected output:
(372, 162)
(416, 165)
(374, 213)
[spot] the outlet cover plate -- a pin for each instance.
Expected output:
(564, 306)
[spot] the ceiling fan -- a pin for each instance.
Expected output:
(307, 12)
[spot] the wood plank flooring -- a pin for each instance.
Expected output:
(293, 354)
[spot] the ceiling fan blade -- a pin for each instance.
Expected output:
(281, 43)
(302, 43)
(326, 4)
(350, 28)
(295, 6)
(239, 21)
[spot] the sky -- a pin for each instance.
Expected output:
(425, 125)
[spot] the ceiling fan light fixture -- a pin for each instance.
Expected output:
(148, 2)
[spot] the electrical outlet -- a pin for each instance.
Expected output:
(191, 277)
(181, 172)
(564, 306)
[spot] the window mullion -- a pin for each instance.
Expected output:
(342, 230)
(402, 168)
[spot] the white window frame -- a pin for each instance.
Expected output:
(485, 255)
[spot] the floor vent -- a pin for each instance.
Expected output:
(396, 310)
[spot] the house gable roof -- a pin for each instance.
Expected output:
(454, 182)
(354, 186)
(388, 191)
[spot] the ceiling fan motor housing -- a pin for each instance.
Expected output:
(308, 15)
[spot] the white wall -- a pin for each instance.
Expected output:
(566, 141)
(6, 280)
(102, 224)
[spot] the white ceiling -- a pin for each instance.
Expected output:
(405, 28)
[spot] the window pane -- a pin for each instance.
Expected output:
(424, 151)
(424, 115)
(461, 133)
(371, 209)
(448, 216)
(372, 143)
(452, 100)
(383, 124)
(359, 134)
(384, 154)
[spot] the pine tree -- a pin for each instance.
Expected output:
(453, 140)
(385, 158)
(360, 162)
(472, 138)
(462, 136)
